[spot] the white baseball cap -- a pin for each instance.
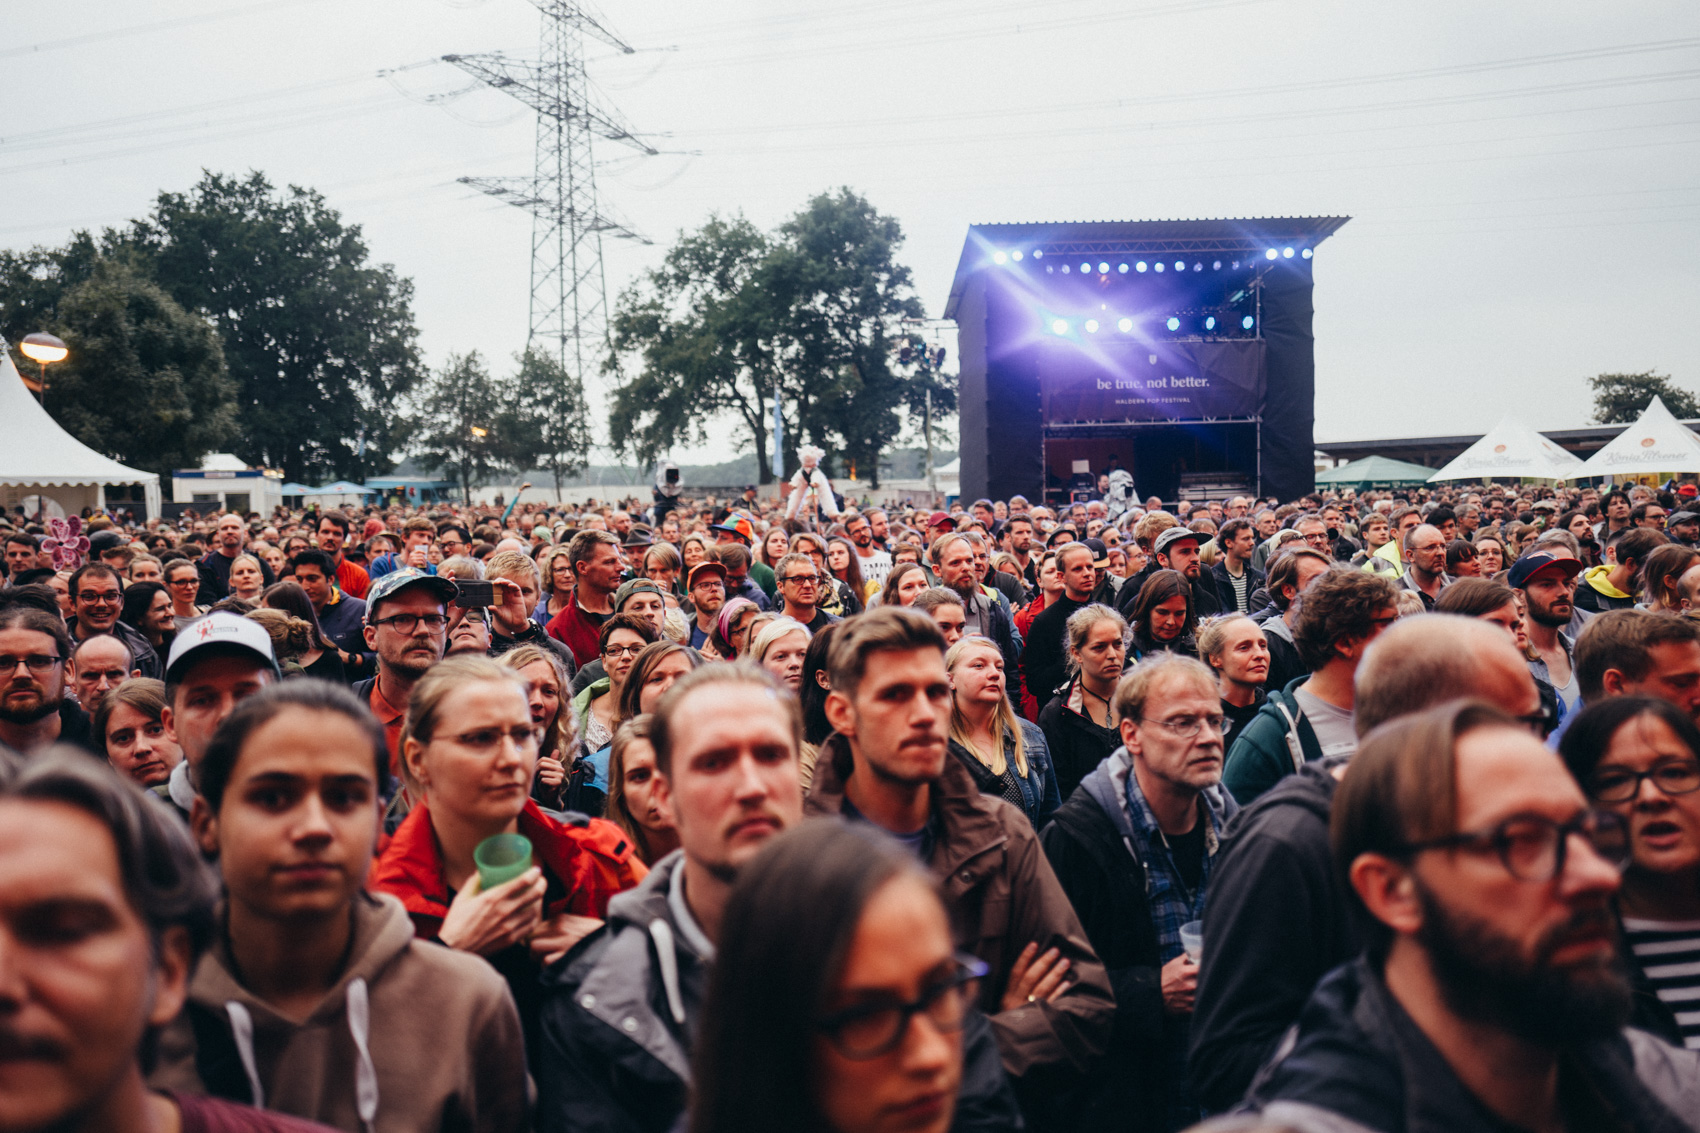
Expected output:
(224, 629)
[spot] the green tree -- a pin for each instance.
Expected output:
(320, 343)
(694, 328)
(33, 282)
(145, 381)
(548, 419)
(456, 430)
(1620, 398)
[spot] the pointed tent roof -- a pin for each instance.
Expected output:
(1657, 442)
(1375, 470)
(1511, 448)
(39, 452)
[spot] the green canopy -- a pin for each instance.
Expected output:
(1375, 472)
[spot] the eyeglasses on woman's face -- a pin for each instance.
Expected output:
(871, 1029)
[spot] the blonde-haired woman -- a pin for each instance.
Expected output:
(247, 577)
(778, 646)
(1006, 755)
(546, 685)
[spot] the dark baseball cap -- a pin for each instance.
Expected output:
(1534, 562)
(1100, 553)
(387, 586)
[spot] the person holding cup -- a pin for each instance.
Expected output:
(469, 751)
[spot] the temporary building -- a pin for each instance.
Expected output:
(1656, 443)
(1511, 449)
(41, 459)
(1375, 472)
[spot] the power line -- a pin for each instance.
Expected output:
(144, 29)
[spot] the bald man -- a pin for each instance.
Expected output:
(1278, 917)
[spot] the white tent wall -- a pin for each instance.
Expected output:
(1657, 443)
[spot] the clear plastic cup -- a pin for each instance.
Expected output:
(1192, 939)
(501, 858)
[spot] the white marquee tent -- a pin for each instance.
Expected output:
(40, 458)
(1511, 448)
(1656, 443)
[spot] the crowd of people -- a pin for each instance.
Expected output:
(1365, 811)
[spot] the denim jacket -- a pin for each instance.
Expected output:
(1039, 795)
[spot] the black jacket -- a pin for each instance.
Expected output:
(141, 650)
(1043, 659)
(1358, 1062)
(1276, 922)
(1077, 744)
(1254, 581)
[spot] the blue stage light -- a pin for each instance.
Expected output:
(1122, 268)
(1049, 269)
(1065, 269)
(1038, 254)
(1236, 265)
(1287, 252)
(1180, 265)
(999, 258)
(1124, 325)
(1085, 269)
(1103, 269)
(1306, 253)
(1016, 255)
(1217, 266)
(1210, 323)
(1272, 254)
(1091, 326)
(1140, 266)
(1059, 326)
(1158, 265)
(1174, 323)
(1248, 322)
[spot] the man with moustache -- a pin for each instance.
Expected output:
(35, 660)
(1547, 581)
(407, 626)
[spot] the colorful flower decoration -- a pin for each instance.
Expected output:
(67, 543)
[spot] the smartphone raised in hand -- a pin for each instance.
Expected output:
(471, 594)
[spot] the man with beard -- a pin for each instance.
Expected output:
(953, 555)
(707, 586)
(1018, 541)
(887, 763)
(1547, 581)
(407, 626)
(332, 539)
(1488, 995)
(875, 561)
(35, 655)
(1176, 549)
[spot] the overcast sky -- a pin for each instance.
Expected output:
(1523, 176)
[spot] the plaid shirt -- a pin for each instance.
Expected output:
(1172, 904)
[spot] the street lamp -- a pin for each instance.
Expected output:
(43, 349)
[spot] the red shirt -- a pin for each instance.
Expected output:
(352, 580)
(577, 629)
(391, 718)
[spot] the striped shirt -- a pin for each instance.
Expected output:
(1668, 953)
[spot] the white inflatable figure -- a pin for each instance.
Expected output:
(811, 491)
(1120, 496)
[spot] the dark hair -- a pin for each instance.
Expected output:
(95, 569)
(1284, 571)
(138, 596)
(31, 595)
(663, 728)
(1402, 789)
(1440, 515)
(653, 654)
(25, 538)
(1621, 640)
(640, 626)
(810, 693)
(1634, 544)
(1339, 606)
(1474, 597)
(337, 519)
(457, 528)
(1226, 533)
(1159, 588)
(1459, 551)
(888, 594)
(583, 546)
(314, 557)
(40, 621)
(784, 939)
(1588, 737)
(884, 629)
(292, 600)
(258, 710)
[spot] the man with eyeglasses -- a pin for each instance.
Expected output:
(1135, 848)
(1488, 995)
(407, 626)
(707, 586)
(620, 1015)
(97, 598)
(1425, 570)
(799, 591)
(34, 662)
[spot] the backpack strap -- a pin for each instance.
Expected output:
(1295, 749)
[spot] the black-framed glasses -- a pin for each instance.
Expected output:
(1185, 727)
(802, 579)
(34, 662)
(111, 598)
(624, 650)
(872, 1029)
(1620, 784)
(405, 624)
(1533, 847)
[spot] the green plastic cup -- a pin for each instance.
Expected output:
(501, 858)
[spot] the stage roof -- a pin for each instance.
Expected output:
(1132, 237)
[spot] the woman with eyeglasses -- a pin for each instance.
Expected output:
(1490, 554)
(1006, 755)
(469, 752)
(836, 1001)
(1640, 758)
(596, 709)
(556, 571)
(183, 582)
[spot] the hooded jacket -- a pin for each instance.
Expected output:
(1278, 920)
(1001, 895)
(1091, 845)
(1598, 595)
(1356, 1062)
(621, 1010)
(1277, 742)
(413, 1038)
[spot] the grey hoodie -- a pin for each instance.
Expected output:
(415, 1037)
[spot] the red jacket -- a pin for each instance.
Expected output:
(576, 630)
(594, 861)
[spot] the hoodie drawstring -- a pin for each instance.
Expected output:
(242, 1028)
(668, 961)
(365, 1074)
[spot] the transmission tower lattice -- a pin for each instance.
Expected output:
(569, 290)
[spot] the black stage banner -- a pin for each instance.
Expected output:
(1150, 381)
